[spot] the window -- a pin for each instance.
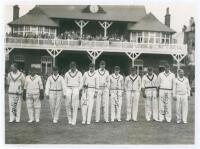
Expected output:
(18, 58)
(139, 40)
(27, 28)
(40, 29)
(46, 29)
(46, 63)
(15, 28)
(33, 28)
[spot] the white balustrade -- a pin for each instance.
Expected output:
(114, 45)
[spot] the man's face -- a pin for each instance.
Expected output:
(117, 72)
(181, 73)
(167, 69)
(91, 68)
(102, 66)
(33, 72)
(133, 72)
(55, 72)
(73, 68)
(150, 72)
(13, 68)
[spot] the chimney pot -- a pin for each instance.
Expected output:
(15, 12)
(167, 17)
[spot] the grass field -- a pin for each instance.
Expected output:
(141, 132)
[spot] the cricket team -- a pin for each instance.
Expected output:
(99, 90)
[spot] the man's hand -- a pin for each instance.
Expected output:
(95, 94)
(144, 95)
(157, 94)
(41, 95)
(47, 97)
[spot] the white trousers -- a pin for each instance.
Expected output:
(151, 104)
(55, 99)
(33, 105)
(181, 108)
(116, 104)
(15, 102)
(132, 100)
(72, 103)
(165, 108)
(87, 102)
(103, 97)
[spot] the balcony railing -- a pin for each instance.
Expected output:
(64, 43)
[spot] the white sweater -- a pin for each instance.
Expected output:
(33, 85)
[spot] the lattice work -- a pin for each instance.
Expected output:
(54, 52)
(94, 54)
(81, 23)
(178, 57)
(8, 50)
(105, 24)
(133, 55)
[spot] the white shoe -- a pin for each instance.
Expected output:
(55, 121)
(185, 122)
(37, 121)
(73, 123)
(107, 121)
(11, 121)
(112, 120)
(69, 121)
(30, 121)
(17, 121)
(96, 121)
(88, 123)
(119, 120)
(178, 122)
(83, 122)
(127, 119)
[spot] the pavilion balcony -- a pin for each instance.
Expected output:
(109, 46)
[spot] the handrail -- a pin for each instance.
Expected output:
(89, 43)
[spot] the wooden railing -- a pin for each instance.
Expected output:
(64, 43)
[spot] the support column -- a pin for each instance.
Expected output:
(133, 56)
(54, 53)
(178, 58)
(105, 26)
(93, 55)
(8, 50)
(81, 25)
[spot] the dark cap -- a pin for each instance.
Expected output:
(72, 64)
(102, 62)
(92, 65)
(117, 68)
(55, 68)
(133, 68)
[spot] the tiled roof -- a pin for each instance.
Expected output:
(36, 16)
(128, 13)
(149, 23)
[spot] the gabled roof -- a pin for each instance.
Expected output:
(150, 23)
(37, 17)
(128, 13)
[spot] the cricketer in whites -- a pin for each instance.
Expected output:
(96, 88)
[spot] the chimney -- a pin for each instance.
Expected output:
(191, 21)
(167, 17)
(184, 28)
(15, 12)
